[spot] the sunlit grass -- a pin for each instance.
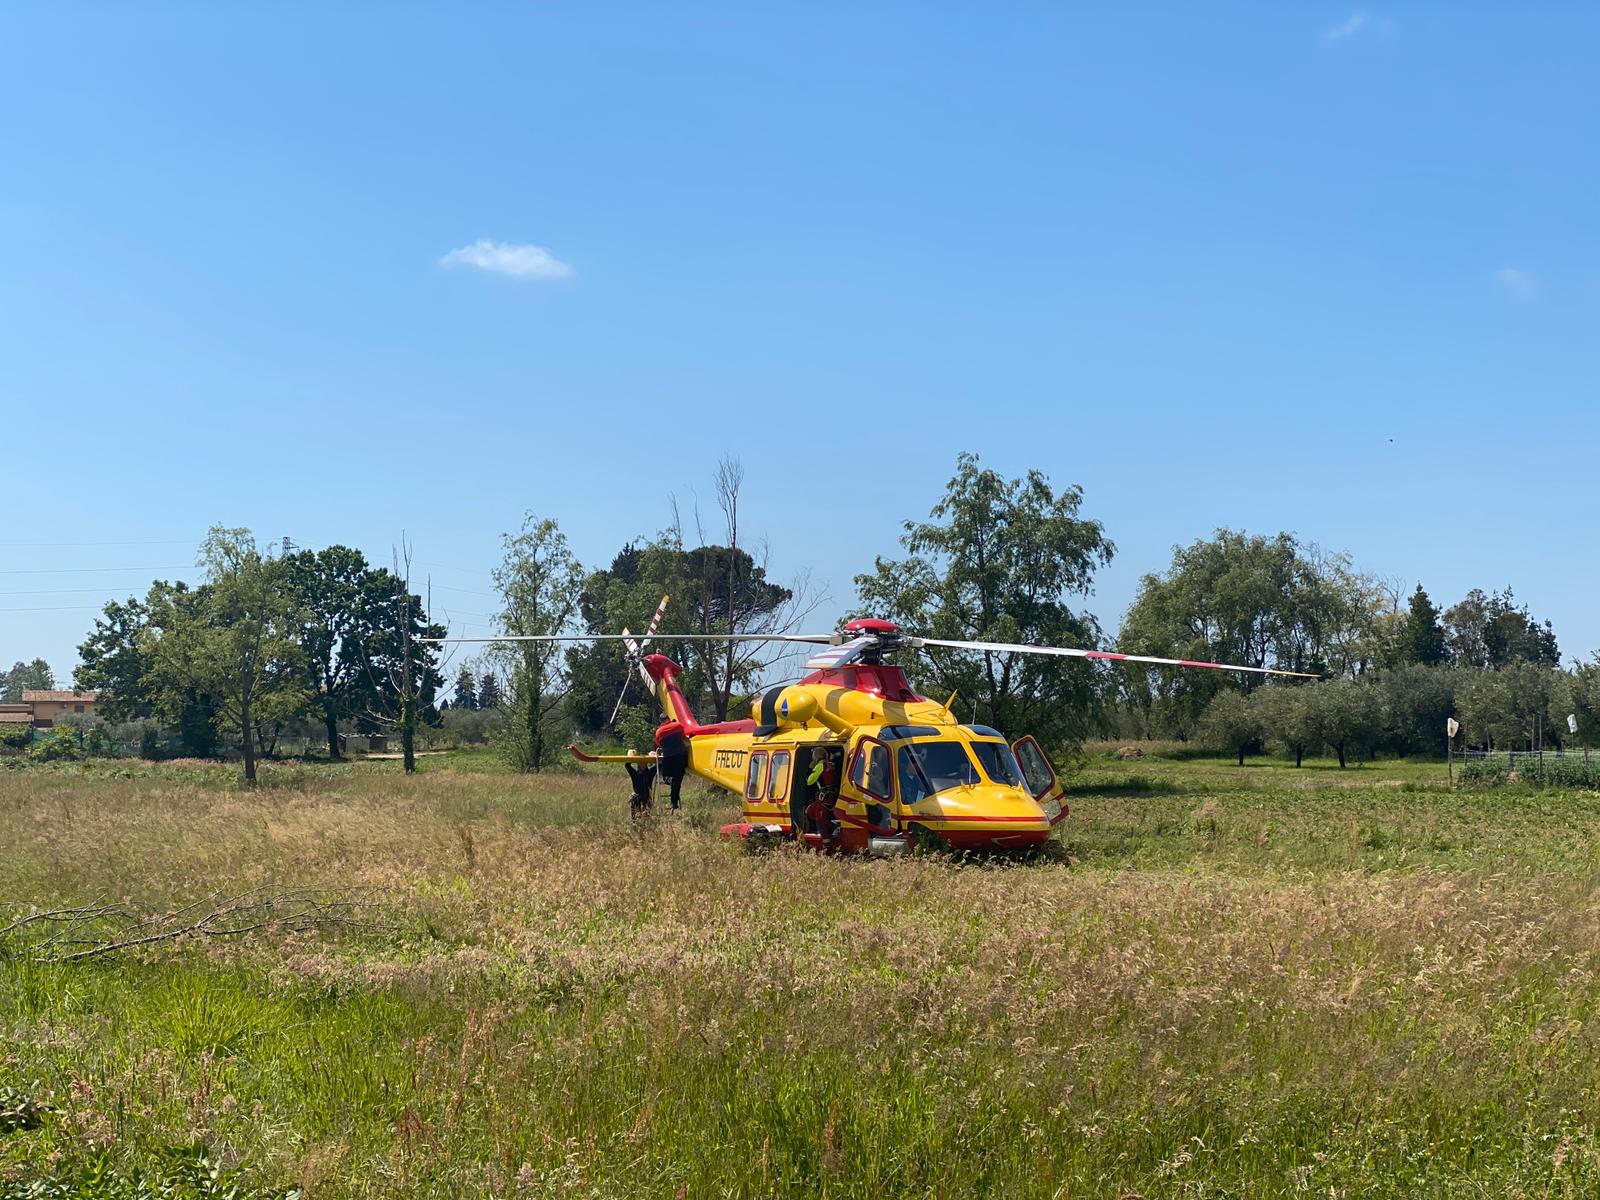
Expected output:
(1245, 983)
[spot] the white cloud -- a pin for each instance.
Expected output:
(1347, 28)
(1517, 283)
(519, 260)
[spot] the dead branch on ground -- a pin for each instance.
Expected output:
(102, 927)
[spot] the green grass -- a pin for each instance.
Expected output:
(1246, 983)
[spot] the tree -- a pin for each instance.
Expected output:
(1586, 699)
(1285, 717)
(1516, 705)
(489, 693)
(539, 582)
(1485, 631)
(1232, 723)
(355, 622)
(25, 677)
(327, 586)
(240, 645)
(466, 690)
(1416, 703)
(1424, 636)
(115, 659)
(1251, 600)
(1344, 714)
(1000, 561)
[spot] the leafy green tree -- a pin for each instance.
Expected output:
(1286, 718)
(466, 690)
(1345, 715)
(25, 677)
(1251, 600)
(240, 645)
(1586, 700)
(114, 659)
(1001, 561)
(353, 637)
(539, 582)
(1515, 706)
(1424, 635)
(1231, 723)
(1487, 631)
(1416, 702)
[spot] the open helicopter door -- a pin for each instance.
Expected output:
(1041, 778)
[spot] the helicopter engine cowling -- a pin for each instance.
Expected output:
(793, 708)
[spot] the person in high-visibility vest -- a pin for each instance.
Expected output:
(823, 779)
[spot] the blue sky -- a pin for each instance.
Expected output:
(1299, 266)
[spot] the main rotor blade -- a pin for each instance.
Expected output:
(820, 639)
(1105, 655)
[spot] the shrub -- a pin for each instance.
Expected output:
(59, 744)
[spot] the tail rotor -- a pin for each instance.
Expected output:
(635, 651)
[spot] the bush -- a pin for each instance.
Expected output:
(1485, 772)
(59, 744)
(1566, 771)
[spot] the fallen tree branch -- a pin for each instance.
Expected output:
(66, 935)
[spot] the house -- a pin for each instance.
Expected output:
(44, 707)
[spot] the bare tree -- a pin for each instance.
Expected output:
(730, 592)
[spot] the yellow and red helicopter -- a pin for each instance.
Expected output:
(906, 770)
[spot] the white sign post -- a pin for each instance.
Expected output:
(1451, 728)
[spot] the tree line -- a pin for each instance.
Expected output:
(264, 642)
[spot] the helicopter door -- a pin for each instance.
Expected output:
(871, 774)
(1041, 778)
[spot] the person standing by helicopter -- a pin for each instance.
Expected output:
(823, 780)
(644, 778)
(672, 750)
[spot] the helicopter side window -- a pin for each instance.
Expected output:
(870, 772)
(778, 788)
(755, 780)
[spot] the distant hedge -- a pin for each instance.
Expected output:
(1568, 771)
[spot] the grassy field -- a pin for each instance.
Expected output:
(1246, 982)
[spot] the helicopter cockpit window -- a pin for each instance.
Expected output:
(944, 765)
(913, 786)
(999, 764)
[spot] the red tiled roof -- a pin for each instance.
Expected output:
(58, 697)
(16, 718)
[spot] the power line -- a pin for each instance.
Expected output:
(75, 545)
(60, 608)
(59, 591)
(88, 570)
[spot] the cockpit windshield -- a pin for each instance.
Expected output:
(930, 767)
(999, 764)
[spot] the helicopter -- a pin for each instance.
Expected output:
(906, 771)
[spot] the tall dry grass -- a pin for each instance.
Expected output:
(565, 1002)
